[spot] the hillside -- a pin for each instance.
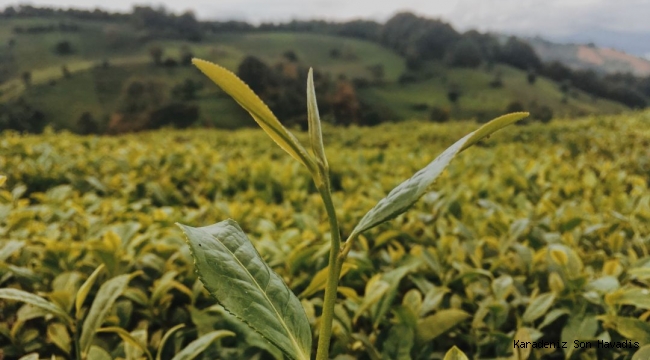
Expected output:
(580, 56)
(106, 56)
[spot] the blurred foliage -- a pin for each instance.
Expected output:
(551, 245)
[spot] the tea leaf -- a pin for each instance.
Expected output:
(315, 133)
(58, 334)
(236, 275)
(642, 354)
(19, 295)
(167, 335)
(106, 296)
(199, 345)
(455, 354)
(437, 324)
(9, 248)
(538, 307)
(128, 338)
(318, 281)
(83, 291)
(97, 353)
(260, 112)
(399, 343)
(633, 329)
(408, 192)
(631, 296)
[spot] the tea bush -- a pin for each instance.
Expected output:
(540, 235)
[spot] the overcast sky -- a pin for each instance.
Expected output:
(584, 20)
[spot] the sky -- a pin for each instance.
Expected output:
(622, 24)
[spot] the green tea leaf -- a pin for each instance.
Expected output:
(455, 354)
(58, 334)
(399, 343)
(315, 133)
(167, 335)
(633, 329)
(19, 295)
(538, 307)
(318, 281)
(106, 296)
(635, 296)
(261, 113)
(128, 338)
(578, 327)
(83, 291)
(376, 288)
(408, 192)
(642, 354)
(199, 345)
(9, 248)
(437, 324)
(97, 353)
(236, 275)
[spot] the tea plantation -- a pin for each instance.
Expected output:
(533, 245)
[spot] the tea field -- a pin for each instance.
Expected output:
(537, 236)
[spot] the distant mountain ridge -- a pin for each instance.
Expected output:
(588, 56)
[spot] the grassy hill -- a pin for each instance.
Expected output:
(97, 90)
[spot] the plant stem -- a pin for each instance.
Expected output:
(335, 265)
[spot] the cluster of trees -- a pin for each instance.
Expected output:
(21, 116)
(282, 87)
(39, 29)
(624, 88)
(157, 57)
(160, 23)
(46, 12)
(153, 23)
(144, 105)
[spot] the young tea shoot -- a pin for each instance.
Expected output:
(236, 275)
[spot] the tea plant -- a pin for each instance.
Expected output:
(234, 272)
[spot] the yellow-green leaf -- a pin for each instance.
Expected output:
(167, 335)
(260, 112)
(199, 345)
(315, 132)
(455, 354)
(58, 334)
(437, 324)
(127, 338)
(19, 295)
(318, 281)
(83, 291)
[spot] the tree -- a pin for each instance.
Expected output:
(185, 91)
(86, 124)
(179, 115)
(156, 53)
(453, 93)
(531, 76)
(438, 114)
(465, 53)
(63, 48)
(27, 78)
(519, 54)
(290, 56)
(186, 56)
(66, 73)
(256, 74)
